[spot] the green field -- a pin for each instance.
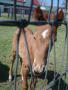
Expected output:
(6, 36)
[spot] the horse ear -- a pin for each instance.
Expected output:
(60, 15)
(38, 14)
(35, 14)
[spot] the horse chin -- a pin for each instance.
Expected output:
(38, 74)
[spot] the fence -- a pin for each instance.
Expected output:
(22, 24)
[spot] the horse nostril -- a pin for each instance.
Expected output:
(38, 69)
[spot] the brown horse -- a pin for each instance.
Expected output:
(38, 44)
(37, 65)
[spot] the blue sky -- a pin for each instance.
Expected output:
(48, 2)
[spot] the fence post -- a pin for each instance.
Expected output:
(8, 11)
(0, 11)
(11, 12)
(15, 9)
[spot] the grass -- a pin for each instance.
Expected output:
(6, 36)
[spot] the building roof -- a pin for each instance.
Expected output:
(21, 0)
(36, 2)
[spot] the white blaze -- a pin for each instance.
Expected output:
(44, 34)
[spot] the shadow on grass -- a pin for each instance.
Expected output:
(59, 84)
(3, 72)
(62, 85)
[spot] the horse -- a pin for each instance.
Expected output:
(38, 44)
(59, 17)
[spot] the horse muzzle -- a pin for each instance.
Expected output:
(38, 69)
